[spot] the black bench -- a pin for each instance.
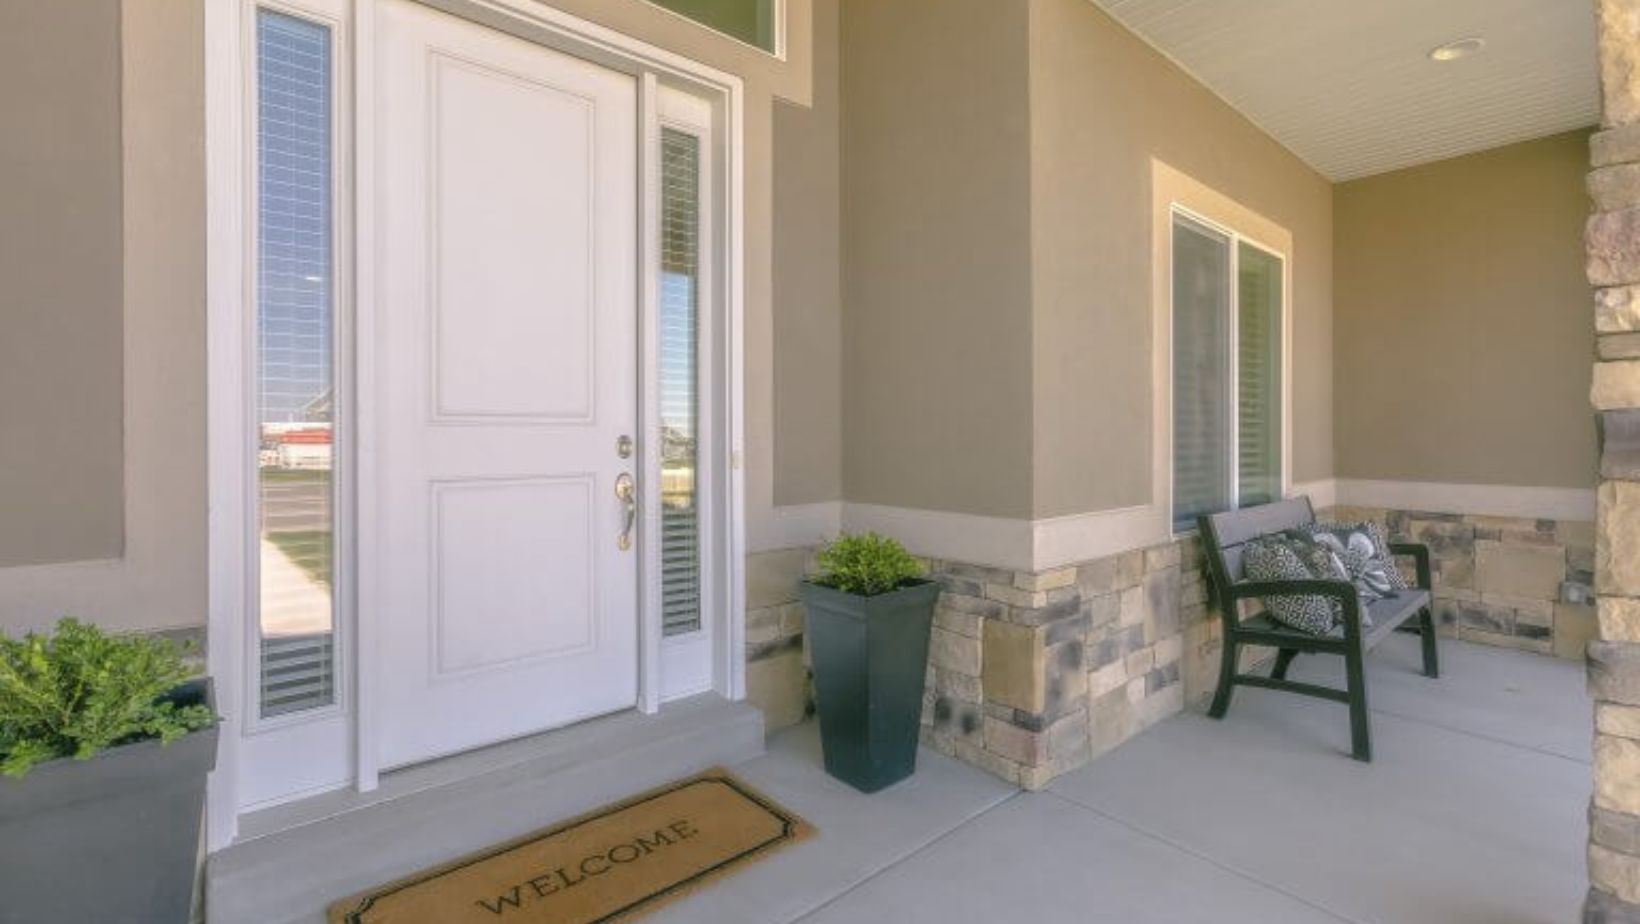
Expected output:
(1224, 534)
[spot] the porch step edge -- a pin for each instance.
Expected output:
(289, 876)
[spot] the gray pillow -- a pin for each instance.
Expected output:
(1365, 555)
(1289, 557)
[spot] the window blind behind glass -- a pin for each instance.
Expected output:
(679, 332)
(1258, 402)
(1201, 408)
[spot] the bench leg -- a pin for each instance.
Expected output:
(1227, 673)
(1360, 720)
(1284, 660)
(1432, 662)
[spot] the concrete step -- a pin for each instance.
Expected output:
(291, 861)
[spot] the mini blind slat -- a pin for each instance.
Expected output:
(1258, 436)
(679, 332)
(1201, 438)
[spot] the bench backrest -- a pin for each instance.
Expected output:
(1224, 534)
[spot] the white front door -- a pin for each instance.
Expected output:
(506, 360)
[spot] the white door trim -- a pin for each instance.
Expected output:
(228, 209)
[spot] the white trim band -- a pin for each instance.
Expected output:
(1054, 542)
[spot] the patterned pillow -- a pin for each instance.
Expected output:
(1365, 554)
(1286, 557)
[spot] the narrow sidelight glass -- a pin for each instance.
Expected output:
(679, 378)
(295, 365)
(1258, 398)
(1201, 372)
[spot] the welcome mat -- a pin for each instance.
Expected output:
(608, 865)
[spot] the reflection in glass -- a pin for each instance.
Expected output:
(1258, 420)
(1201, 372)
(294, 364)
(750, 21)
(679, 327)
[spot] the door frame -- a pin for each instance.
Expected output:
(347, 729)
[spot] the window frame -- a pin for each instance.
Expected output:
(1234, 234)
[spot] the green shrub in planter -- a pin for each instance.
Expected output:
(869, 614)
(105, 744)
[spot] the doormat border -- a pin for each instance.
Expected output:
(793, 829)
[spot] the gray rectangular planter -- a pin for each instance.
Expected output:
(870, 659)
(110, 840)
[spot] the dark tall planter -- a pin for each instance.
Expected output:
(110, 840)
(870, 658)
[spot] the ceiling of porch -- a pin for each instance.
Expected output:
(1350, 86)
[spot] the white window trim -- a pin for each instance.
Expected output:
(1175, 193)
(230, 50)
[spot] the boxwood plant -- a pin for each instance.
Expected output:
(866, 564)
(78, 691)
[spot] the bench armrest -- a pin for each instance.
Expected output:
(1420, 557)
(1343, 591)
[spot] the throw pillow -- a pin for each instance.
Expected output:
(1365, 553)
(1284, 557)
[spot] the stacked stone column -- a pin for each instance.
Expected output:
(1613, 242)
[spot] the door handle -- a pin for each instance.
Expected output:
(628, 496)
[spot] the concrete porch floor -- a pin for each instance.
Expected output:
(1472, 813)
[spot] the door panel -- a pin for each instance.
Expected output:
(506, 359)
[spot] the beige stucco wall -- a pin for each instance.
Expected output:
(1103, 105)
(1463, 340)
(60, 352)
(158, 579)
(936, 255)
(807, 297)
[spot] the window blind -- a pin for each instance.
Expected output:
(1258, 398)
(1201, 372)
(679, 335)
(294, 364)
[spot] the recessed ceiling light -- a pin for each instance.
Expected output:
(1458, 48)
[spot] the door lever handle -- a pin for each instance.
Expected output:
(628, 497)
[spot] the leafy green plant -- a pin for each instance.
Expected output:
(78, 691)
(866, 564)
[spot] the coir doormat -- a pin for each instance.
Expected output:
(612, 864)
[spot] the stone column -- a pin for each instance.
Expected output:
(1613, 242)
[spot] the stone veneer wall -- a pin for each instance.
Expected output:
(1519, 583)
(1031, 675)
(1612, 238)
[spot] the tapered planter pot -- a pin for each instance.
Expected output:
(870, 657)
(111, 840)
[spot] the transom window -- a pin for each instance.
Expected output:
(1228, 303)
(751, 21)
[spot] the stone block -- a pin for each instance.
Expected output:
(1617, 309)
(1133, 606)
(1617, 554)
(979, 574)
(1575, 628)
(1014, 672)
(1485, 618)
(1615, 145)
(1615, 187)
(1619, 54)
(1446, 538)
(1111, 720)
(1610, 347)
(772, 577)
(1616, 873)
(1106, 575)
(1013, 596)
(1112, 676)
(1604, 908)
(1161, 603)
(1009, 741)
(1612, 240)
(963, 688)
(779, 687)
(977, 606)
(1166, 703)
(1616, 385)
(1615, 830)
(958, 621)
(1103, 609)
(1619, 618)
(1140, 662)
(953, 652)
(1620, 721)
(1619, 438)
(1518, 642)
(1614, 672)
(1160, 557)
(1617, 773)
(1519, 570)
(1045, 580)
(1535, 611)
(1170, 649)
